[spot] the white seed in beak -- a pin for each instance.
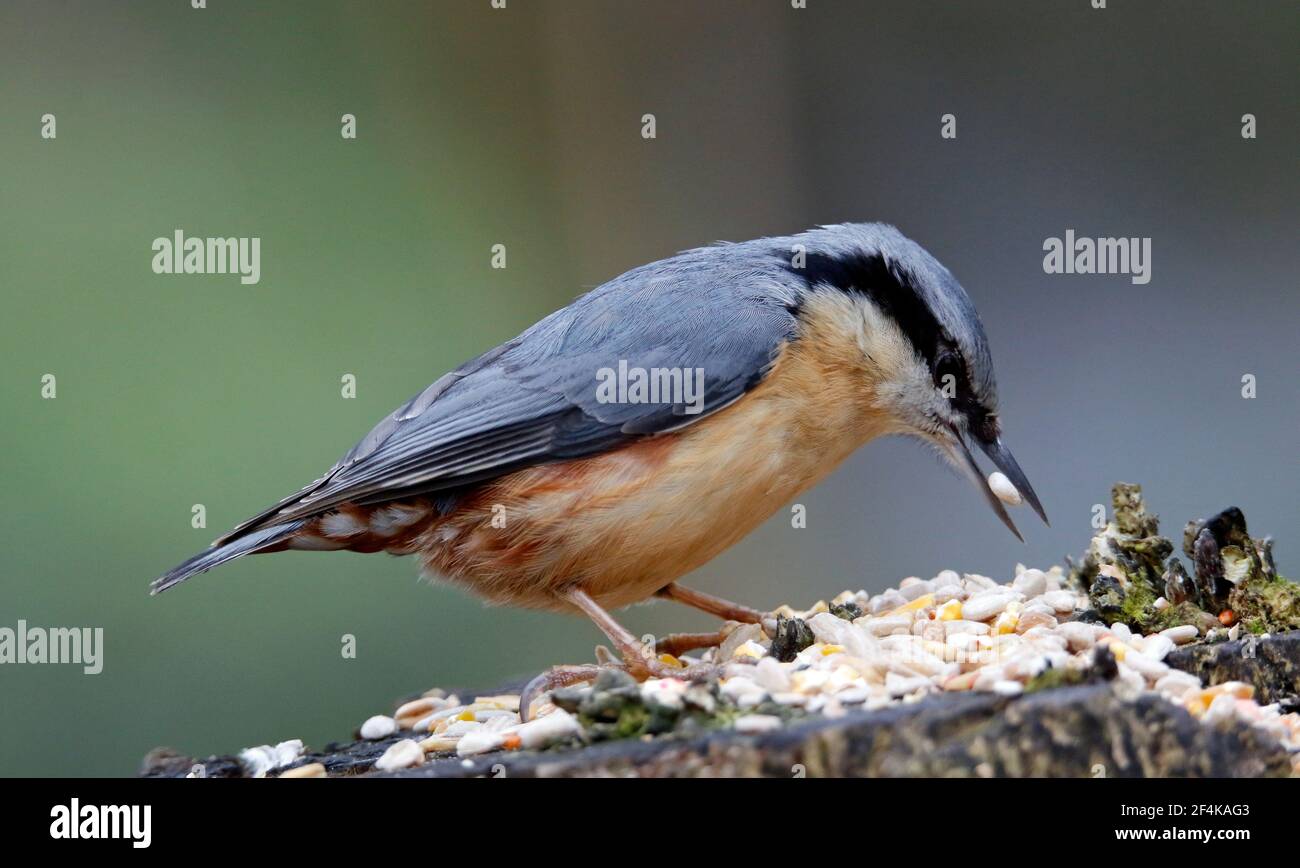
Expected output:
(1004, 490)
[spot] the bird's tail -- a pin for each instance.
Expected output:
(220, 553)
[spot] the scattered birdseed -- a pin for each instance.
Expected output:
(310, 770)
(1004, 490)
(379, 726)
(981, 636)
(545, 731)
(481, 740)
(257, 761)
(1181, 635)
(752, 724)
(504, 702)
(402, 754)
(408, 716)
(439, 744)
(949, 633)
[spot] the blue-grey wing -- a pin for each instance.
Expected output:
(537, 398)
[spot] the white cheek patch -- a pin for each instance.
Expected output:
(906, 388)
(391, 519)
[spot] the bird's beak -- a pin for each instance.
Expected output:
(1002, 458)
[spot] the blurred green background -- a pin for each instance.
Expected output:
(522, 127)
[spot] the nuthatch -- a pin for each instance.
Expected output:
(521, 477)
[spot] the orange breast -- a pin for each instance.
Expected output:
(623, 524)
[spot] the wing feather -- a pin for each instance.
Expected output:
(534, 399)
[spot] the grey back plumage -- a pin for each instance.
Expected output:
(727, 309)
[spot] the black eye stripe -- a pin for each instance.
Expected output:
(892, 289)
(948, 362)
(888, 285)
(900, 295)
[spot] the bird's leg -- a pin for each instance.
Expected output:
(558, 676)
(724, 609)
(733, 613)
(678, 644)
(638, 660)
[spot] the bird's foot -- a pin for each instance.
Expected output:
(639, 660)
(656, 667)
(640, 667)
(556, 676)
(678, 644)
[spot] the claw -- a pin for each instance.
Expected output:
(559, 676)
(638, 660)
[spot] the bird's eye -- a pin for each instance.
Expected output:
(948, 374)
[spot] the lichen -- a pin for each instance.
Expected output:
(1178, 614)
(1101, 668)
(1129, 567)
(613, 708)
(1053, 677)
(847, 611)
(1131, 515)
(1137, 610)
(792, 636)
(1123, 571)
(1266, 605)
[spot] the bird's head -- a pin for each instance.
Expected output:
(921, 342)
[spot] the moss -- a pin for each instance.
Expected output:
(1135, 607)
(1107, 597)
(1054, 677)
(638, 721)
(1101, 668)
(1138, 610)
(1267, 605)
(613, 709)
(1129, 565)
(632, 721)
(1180, 614)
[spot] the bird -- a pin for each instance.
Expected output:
(624, 440)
